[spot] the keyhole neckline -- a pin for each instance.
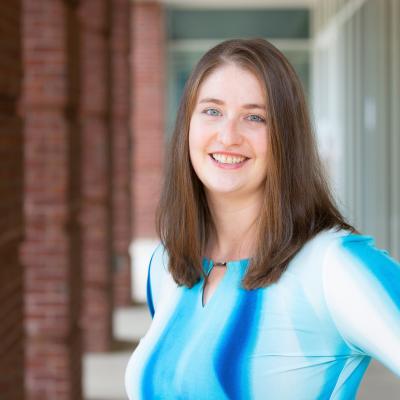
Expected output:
(228, 262)
(208, 263)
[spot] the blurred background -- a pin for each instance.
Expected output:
(88, 96)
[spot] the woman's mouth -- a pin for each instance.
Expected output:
(228, 161)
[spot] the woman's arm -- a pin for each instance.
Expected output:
(362, 292)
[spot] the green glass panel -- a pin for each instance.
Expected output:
(210, 24)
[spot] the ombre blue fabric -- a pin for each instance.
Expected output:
(309, 336)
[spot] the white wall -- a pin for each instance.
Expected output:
(356, 106)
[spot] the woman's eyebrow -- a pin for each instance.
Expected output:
(220, 102)
(211, 100)
(260, 106)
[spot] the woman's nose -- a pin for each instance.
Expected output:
(229, 133)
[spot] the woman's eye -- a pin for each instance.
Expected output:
(212, 112)
(255, 118)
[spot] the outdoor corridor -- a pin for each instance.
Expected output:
(89, 94)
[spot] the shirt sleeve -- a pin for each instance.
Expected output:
(157, 272)
(361, 285)
(149, 294)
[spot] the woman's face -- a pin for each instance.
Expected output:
(228, 133)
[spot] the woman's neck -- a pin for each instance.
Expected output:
(236, 228)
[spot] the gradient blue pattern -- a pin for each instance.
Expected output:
(309, 336)
(236, 343)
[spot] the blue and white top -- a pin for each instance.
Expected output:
(309, 336)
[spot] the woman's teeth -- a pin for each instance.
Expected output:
(222, 158)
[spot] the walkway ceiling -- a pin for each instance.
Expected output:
(237, 3)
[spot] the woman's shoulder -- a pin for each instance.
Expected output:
(314, 248)
(335, 263)
(343, 244)
(159, 257)
(158, 265)
(326, 248)
(356, 255)
(158, 279)
(335, 239)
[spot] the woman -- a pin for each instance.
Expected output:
(260, 289)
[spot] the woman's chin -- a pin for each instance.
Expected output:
(230, 191)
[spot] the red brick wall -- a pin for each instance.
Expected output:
(50, 254)
(148, 93)
(96, 174)
(121, 150)
(11, 208)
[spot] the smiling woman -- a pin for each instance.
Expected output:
(259, 288)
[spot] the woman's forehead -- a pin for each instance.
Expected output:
(229, 81)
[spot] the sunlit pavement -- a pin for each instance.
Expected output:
(104, 372)
(379, 384)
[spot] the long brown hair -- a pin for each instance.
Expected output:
(297, 201)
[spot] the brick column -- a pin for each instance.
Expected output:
(96, 167)
(121, 151)
(148, 93)
(50, 252)
(11, 208)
